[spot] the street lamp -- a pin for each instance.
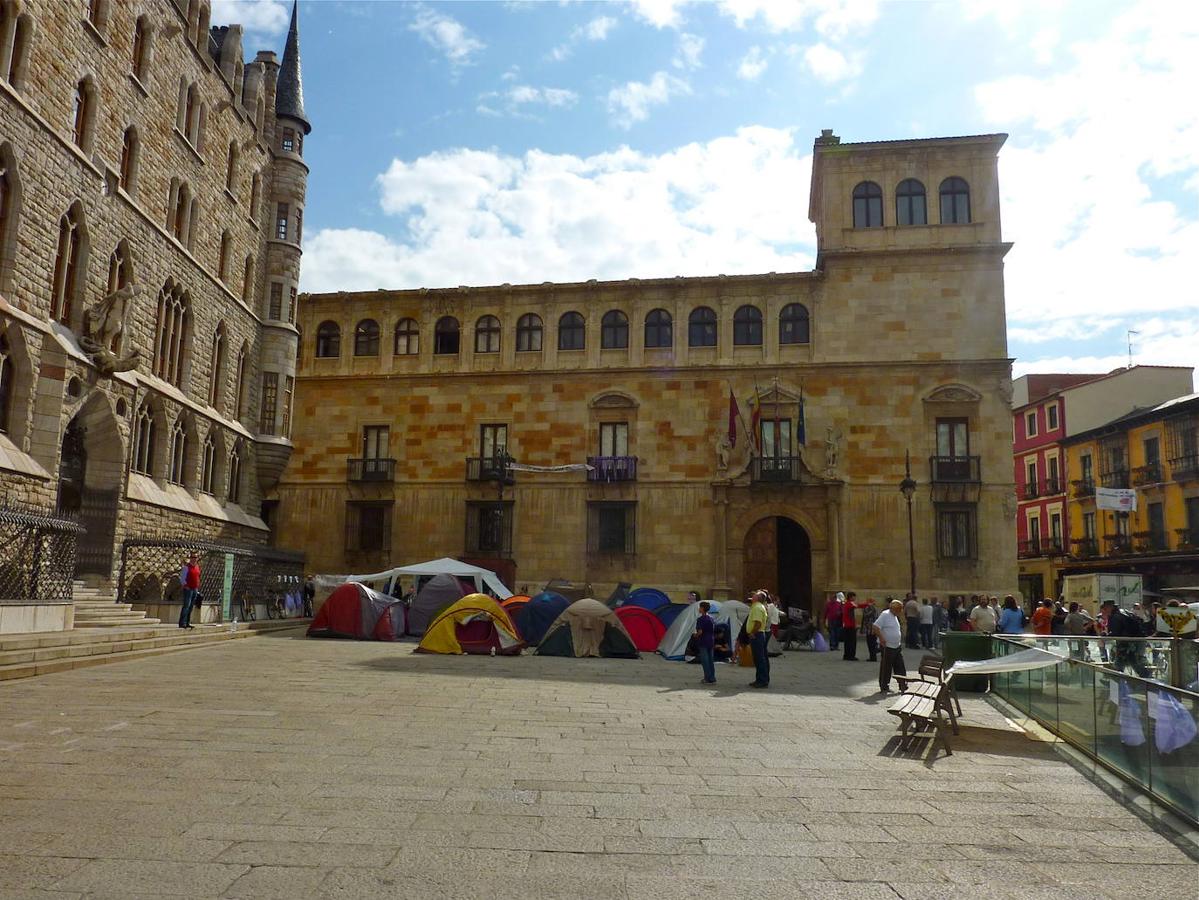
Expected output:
(907, 487)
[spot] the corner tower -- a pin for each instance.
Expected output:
(285, 218)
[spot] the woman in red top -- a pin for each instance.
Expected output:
(849, 626)
(1042, 619)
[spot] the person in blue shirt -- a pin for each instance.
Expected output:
(705, 642)
(1011, 617)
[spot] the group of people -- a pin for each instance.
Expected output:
(763, 620)
(848, 618)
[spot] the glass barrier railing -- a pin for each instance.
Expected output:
(1140, 727)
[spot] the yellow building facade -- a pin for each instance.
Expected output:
(1156, 453)
(458, 422)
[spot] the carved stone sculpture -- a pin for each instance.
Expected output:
(102, 325)
(832, 450)
(722, 454)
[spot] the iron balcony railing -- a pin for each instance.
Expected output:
(1085, 548)
(954, 469)
(1147, 474)
(1117, 543)
(776, 469)
(1117, 478)
(489, 468)
(1150, 541)
(1029, 549)
(371, 468)
(1185, 467)
(612, 468)
(1082, 487)
(1051, 486)
(1051, 546)
(1030, 491)
(1188, 538)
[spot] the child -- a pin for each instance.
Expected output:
(705, 641)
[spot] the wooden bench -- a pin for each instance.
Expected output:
(930, 674)
(922, 709)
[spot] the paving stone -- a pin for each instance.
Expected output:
(281, 882)
(157, 878)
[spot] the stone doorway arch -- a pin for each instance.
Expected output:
(90, 470)
(777, 555)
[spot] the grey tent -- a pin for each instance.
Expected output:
(438, 593)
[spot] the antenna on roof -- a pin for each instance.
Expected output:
(1130, 334)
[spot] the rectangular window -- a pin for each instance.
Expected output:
(1157, 526)
(1051, 417)
(374, 441)
(611, 528)
(270, 402)
(368, 526)
(493, 441)
(776, 438)
(1055, 530)
(1034, 529)
(1054, 480)
(1122, 524)
(1191, 535)
(1030, 424)
(1087, 465)
(489, 528)
(281, 222)
(299, 225)
(275, 310)
(614, 439)
(956, 531)
(953, 438)
(1030, 478)
(289, 388)
(288, 144)
(1088, 526)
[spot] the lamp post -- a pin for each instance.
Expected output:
(907, 487)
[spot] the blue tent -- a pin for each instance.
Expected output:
(535, 619)
(647, 598)
(667, 614)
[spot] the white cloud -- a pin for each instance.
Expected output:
(659, 13)
(596, 30)
(268, 17)
(1171, 343)
(480, 217)
(832, 19)
(690, 48)
(752, 65)
(631, 102)
(829, 64)
(518, 98)
(447, 35)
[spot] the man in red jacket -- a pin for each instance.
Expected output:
(189, 580)
(849, 626)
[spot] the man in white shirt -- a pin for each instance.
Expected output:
(926, 624)
(890, 641)
(773, 617)
(982, 617)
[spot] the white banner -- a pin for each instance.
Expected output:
(571, 467)
(1119, 499)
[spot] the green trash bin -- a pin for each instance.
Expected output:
(967, 645)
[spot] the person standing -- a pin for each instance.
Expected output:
(310, 595)
(849, 627)
(890, 636)
(705, 642)
(926, 624)
(869, 614)
(832, 619)
(911, 611)
(940, 621)
(1011, 617)
(1042, 618)
(1121, 624)
(189, 581)
(772, 615)
(756, 630)
(982, 617)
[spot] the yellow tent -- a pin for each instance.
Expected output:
(475, 624)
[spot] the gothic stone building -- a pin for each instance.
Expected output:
(412, 407)
(151, 192)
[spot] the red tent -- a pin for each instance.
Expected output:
(355, 611)
(643, 627)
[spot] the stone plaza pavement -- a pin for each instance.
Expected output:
(284, 767)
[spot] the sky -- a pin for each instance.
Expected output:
(522, 142)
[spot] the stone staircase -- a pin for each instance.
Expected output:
(96, 607)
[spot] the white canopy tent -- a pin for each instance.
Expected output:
(484, 580)
(1021, 661)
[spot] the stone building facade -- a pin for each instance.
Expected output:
(417, 409)
(151, 197)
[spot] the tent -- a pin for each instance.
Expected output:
(667, 614)
(436, 595)
(674, 643)
(588, 628)
(539, 614)
(482, 579)
(474, 624)
(355, 611)
(643, 627)
(647, 598)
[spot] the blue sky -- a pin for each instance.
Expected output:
(480, 143)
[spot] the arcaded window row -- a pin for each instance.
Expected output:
(911, 203)
(702, 331)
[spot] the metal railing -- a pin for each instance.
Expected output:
(1184, 467)
(612, 468)
(1150, 541)
(1188, 538)
(1117, 543)
(1030, 491)
(1051, 486)
(1148, 474)
(371, 469)
(37, 557)
(1082, 487)
(955, 469)
(776, 469)
(489, 468)
(1117, 478)
(1085, 547)
(1028, 549)
(260, 574)
(1135, 723)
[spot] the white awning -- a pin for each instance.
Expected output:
(1022, 661)
(444, 566)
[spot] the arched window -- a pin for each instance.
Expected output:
(659, 329)
(177, 469)
(173, 341)
(120, 268)
(867, 205)
(130, 157)
(234, 489)
(911, 205)
(191, 114)
(247, 279)
(84, 113)
(97, 14)
(202, 28)
(208, 465)
(446, 335)
(239, 382)
(328, 340)
(366, 338)
(572, 332)
(701, 327)
(794, 324)
(144, 438)
(255, 195)
(747, 327)
(487, 335)
(231, 168)
(955, 201)
(9, 207)
(16, 33)
(69, 264)
(407, 338)
(528, 333)
(193, 222)
(217, 383)
(179, 211)
(8, 374)
(222, 265)
(142, 33)
(614, 330)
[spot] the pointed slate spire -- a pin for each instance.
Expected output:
(289, 90)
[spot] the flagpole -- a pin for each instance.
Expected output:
(749, 436)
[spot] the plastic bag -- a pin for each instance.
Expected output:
(819, 644)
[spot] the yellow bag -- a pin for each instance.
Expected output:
(745, 656)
